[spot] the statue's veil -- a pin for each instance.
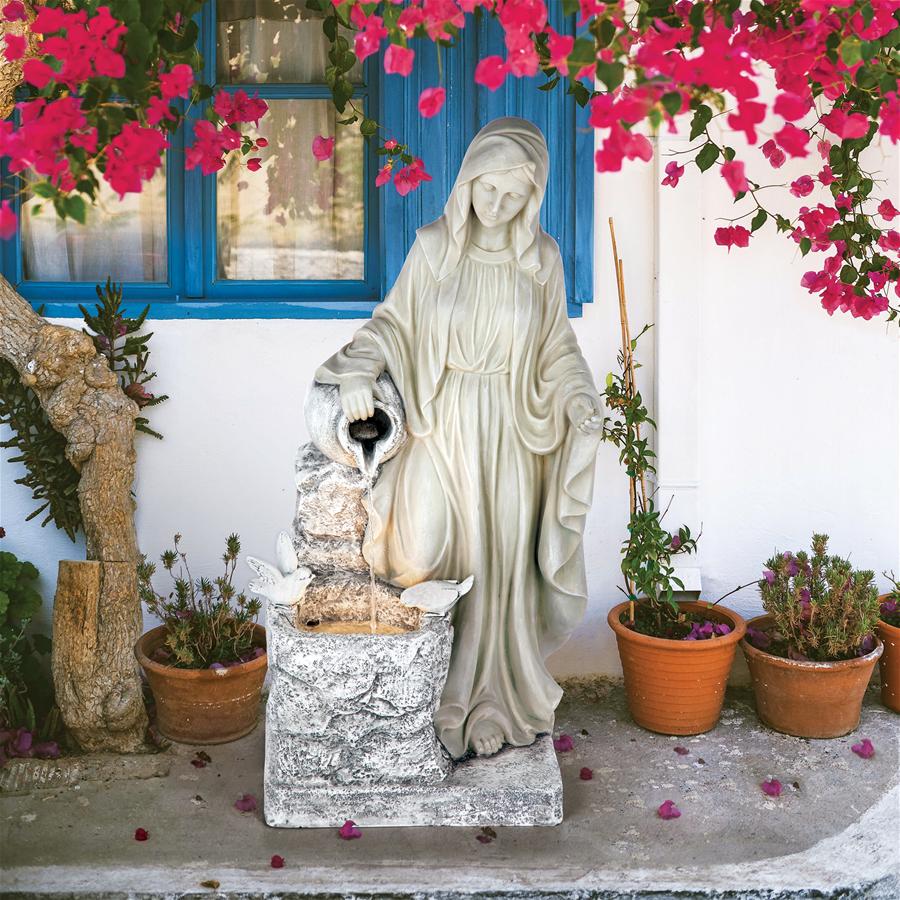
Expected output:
(502, 145)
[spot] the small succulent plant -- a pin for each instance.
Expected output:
(209, 625)
(823, 609)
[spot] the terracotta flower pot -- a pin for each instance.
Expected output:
(889, 663)
(677, 687)
(203, 706)
(807, 699)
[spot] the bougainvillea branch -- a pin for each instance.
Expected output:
(697, 68)
(108, 84)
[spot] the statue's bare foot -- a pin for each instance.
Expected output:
(486, 738)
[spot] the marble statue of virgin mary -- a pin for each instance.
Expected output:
(503, 418)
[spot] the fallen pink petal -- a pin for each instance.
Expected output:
(864, 748)
(348, 831)
(277, 862)
(681, 751)
(586, 774)
(772, 787)
(563, 743)
(141, 834)
(245, 803)
(668, 810)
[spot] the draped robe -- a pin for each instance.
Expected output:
(494, 480)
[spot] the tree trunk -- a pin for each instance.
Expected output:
(94, 669)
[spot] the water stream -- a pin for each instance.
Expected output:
(373, 612)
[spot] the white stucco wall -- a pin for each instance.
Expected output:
(775, 419)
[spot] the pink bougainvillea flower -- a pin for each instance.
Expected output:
(15, 47)
(826, 176)
(668, 810)
(390, 144)
(14, 11)
(239, 107)
(775, 156)
(47, 750)
(889, 115)
(157, 110)
(176, 83)
(384, 175)
(431, 100)
(8, 221)
(845, 126)
(37, 73)
(399, 60)
(793, 140)
(681, 751)
(887, 211)
(772, 787)
(563, 743)
(890, 240)
(322, 147)
(675, 542)
(262, 142)
(864, 749)
(791, 106)
(348, 831)
(749, 115)
(410, 177)
(245, 803)
(254, 164)
(586, 774)
(769, 576)
(491, 72)
(803, 186)
(732, 236)
(277, 862)
(733, 173)
(559, 46)
(369, 38)
(843, 201)
(141, 834)
(673, 175)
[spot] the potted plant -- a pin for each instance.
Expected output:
(812, 654)
(889, 632)
(206, 663)
(676, 656)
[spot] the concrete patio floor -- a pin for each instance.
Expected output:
(834, 831)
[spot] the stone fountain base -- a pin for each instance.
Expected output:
(518, 786)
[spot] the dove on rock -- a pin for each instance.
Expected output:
(283, 584)
(436, 598)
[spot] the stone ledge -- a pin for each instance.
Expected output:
(518, 786)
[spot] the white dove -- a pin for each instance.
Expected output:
(285, 583)
(436, 598)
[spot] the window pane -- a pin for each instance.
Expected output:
(273, 41)
(296, 218)
(122, 239)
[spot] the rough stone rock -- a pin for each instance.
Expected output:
(344, 597)
(330, 518)
(352, 709)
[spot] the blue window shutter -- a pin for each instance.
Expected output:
(441, 141)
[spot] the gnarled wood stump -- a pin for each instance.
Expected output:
(94, 670)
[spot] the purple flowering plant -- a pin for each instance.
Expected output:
(889, 611)
(823, 609)
(209, 625)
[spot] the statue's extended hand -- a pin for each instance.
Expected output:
(358, 397)
(585, 413)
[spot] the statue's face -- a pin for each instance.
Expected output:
(499, 197)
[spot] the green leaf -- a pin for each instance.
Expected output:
(851, 51)
(76, 208)
(848, 274)
(700, 120)
(368, 127)
(138, 42)
(805, 245)
(708, 154)
(330, 26)
(759, 220)
(4, 604)
(611, 74)
(342, 93)
(671, 102)
(607, 32)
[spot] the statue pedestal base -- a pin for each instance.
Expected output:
(518, 786)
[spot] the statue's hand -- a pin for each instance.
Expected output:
(585, 413)
(358, 397)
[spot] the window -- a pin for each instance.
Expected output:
(301, 238)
